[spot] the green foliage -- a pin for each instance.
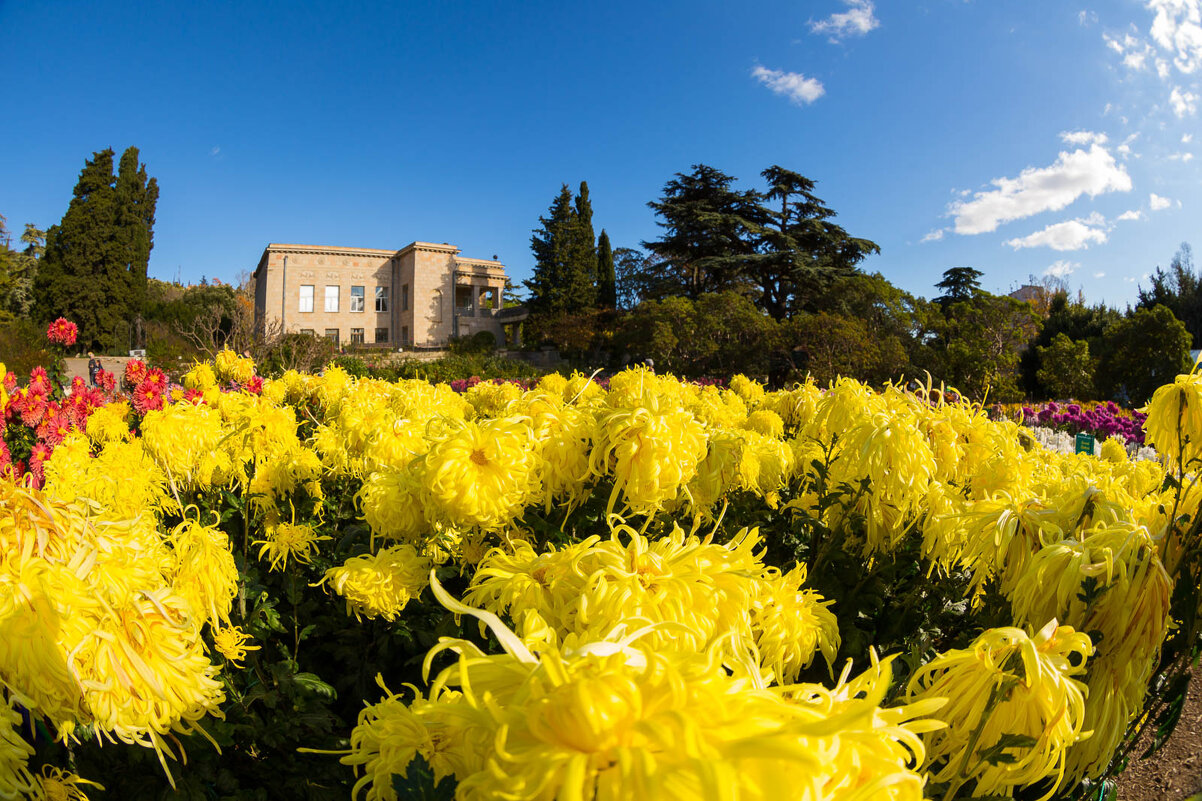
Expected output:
(779, 246)
(94, 268)
(607, 280)
(709, 231)
(827, 346)
(23, 346)
(1066, 369)
(717, 334)
(1140, 353)
(977, 344)
(959, 285)
(477, 344)
(565, 270)
(1079, 322)
(1179, 289)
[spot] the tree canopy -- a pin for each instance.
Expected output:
(564, 278)
(779, 247)
(94, 267)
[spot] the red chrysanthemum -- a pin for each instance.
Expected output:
(135, 371)
(10, 381)
(147, 398)
(33, 410)
(155, 378)
(62, 332)
(254, 385)
(106, 381)
(39, 382)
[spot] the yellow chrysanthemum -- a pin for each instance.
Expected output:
(1174, 424)
(481, 473)
(230, 642)
(792, 625)
(205, 574)
(1011, 697)
(201, 376)
(381, 584)
(285, 541)
(109, 423)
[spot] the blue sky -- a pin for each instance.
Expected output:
(1021, 138)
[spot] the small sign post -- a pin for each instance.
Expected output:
(1084, 444)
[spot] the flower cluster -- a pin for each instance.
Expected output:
(62, 332)
(1102, 419)
(642, 648)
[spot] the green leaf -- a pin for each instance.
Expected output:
(313, 683)
(996, 754)
(418, 783)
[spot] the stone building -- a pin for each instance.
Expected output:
(420, 296)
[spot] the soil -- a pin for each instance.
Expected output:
(1174, 773)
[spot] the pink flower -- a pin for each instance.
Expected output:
(255, 385)
(62, 332)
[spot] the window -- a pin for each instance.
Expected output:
(404, 297)
(332, 335)
(381, 335)
(308, 332)
(356, 335)
(306, 298)
(331, 298)
(382, 299)
(404, 335)
(357, 296)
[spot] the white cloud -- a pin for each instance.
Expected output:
(1135, 51)
(1068, 235)
(793, 85)
(1061, 269)
(1099, 275)
(1183, 157)
(1087, 18)
(1130, 279)
(215, 150)
(1082, 172)
(1186, 138)
(858, 20)
(1177, 28)
(1183, 102)
(1133, 214)
(1157, 203)
(933, 236)
(1082, 137)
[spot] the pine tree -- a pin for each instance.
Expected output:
(93, 271)
(565, 269)
(607, 278)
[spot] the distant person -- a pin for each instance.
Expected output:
(94, 368)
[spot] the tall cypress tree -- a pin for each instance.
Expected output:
(586, 243)
(607, 277)
(94, 269)
(565, 269)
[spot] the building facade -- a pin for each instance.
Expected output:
(420, 296)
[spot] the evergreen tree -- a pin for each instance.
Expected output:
(801, 252)
(93, 271)
(607, 278)
(709, 235)
(959, 284)
(565, 259)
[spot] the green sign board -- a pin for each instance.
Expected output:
(1084, 444)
